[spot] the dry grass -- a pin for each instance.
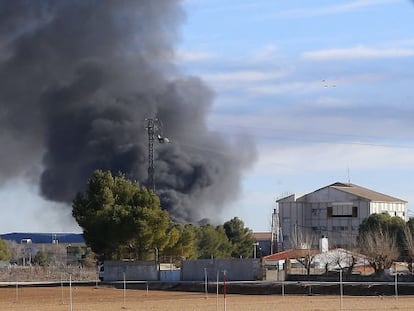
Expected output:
(108, 298)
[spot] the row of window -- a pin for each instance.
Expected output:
(317, 211)
(323, 229)
(337, 211)
(342, 211)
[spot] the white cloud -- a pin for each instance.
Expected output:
(286, 87)
(347, 123)
(243, 80)
(257, 82)
(220, 6)
(331, 102)
(265, 54)
(355, 78)
(325, 158)
(184, 56)
(243, 76)
(357, 52)
(341, 8)
(404, 42)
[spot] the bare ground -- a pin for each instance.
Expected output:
(88, 298)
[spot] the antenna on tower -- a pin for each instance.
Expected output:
(349, 178)
(154, 126)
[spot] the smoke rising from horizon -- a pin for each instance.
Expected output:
(78, 78)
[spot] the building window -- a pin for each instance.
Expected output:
(317, 211)
(340, 228)
(316, 229)
(354, 211)
(329, 211)
(342, 210)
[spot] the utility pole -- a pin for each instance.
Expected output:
(153, 127)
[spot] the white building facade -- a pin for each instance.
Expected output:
(335, 211)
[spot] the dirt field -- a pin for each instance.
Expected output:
(107, 298)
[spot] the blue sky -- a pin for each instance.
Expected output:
(325, 89)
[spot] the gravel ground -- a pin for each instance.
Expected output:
(88, 298)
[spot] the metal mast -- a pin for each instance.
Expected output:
(154, 126)
(275, 238)
(151, 134)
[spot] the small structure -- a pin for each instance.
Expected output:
(339, 259)
(129, 270)
(321, 262)
(264, 243)
(288, 260)
(169, 272)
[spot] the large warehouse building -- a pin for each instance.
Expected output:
(335, 211)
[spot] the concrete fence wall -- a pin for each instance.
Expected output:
(191, 270)
(275, 275)
(134, 271)
(236, 269)
(170, 275)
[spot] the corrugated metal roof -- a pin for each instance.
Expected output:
(291, 254)
(364, 192)
(262, 235)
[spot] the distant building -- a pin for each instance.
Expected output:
(43, 238)
(331, 260)
(61, 248)
(335, 211)
(263, 243)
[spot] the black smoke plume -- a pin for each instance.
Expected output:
(79, 77)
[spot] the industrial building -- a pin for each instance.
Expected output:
(335, 211)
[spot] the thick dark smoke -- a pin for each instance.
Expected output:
(79, 77)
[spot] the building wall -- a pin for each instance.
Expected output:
(393, 209)
(292, 217)
(134, 271)
(327, 195)
(338, 220)
(236, 269)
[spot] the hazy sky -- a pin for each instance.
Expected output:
(323, 87)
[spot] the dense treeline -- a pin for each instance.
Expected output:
(385, 239)
(122, 219)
